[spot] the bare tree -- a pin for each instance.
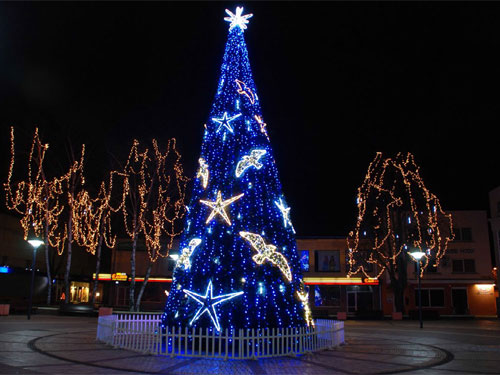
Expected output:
(72, 183)
(93, 219)
(396, 213)
(38, 201)
(153, 203)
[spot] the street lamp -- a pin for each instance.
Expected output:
(35, 242)
(417, 255)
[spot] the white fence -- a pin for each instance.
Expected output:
(143, 333)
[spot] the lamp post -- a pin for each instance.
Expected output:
(35, 242)
(417, 255)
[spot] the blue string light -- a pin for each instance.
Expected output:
(267, 292)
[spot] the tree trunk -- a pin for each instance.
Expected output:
(398, 294)
(47, 263)
(143, 286)
(97, 266)
(132, 273)
(68, 262)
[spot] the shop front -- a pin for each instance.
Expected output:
(354, 296)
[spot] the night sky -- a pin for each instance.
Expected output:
(337, 82)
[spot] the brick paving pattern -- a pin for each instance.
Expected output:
(66, 345)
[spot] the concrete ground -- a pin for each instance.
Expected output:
(66, 345)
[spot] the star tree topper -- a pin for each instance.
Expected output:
(218, 207)
(208, 303)
(237, 19)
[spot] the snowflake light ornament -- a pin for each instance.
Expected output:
(237, 19)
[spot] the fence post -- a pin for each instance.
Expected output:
(143, 333)
(240, 346)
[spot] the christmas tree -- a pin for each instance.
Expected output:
(238, 264)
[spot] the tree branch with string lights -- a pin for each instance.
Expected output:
(154, 188)
(397, 214)
(38, 200)
(93, 218)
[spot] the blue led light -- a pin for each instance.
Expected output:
(4, 269)
(236, 134)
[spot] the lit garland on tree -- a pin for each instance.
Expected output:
(152, 204)
(396, 212)
(248, 257)
(36, 199)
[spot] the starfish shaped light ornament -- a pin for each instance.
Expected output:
(208, 303)
(225, 121)
(237, 19)
(219, 207)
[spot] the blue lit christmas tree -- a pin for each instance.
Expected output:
(238, 264)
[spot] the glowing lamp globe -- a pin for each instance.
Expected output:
(35, 242)
(417, 254)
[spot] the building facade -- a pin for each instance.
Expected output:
(494, 199)
(16, 257)
(463, 282)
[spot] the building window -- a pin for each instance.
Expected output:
(463, 234)
(431, 297)
(327, 261)
(463, 266)
(304, 260)
(327, 295)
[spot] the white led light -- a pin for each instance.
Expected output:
(218, 207)
(208, 303)
(285, 212)
(225, 121)
(237, 19)
(251, 160)
(203, 172)
(267, 252)
(185, 258)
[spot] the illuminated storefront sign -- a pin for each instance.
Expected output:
(119, 276)
(340, 281)
(485, 288)
(122, 276)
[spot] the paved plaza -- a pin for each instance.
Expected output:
(66, 345)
